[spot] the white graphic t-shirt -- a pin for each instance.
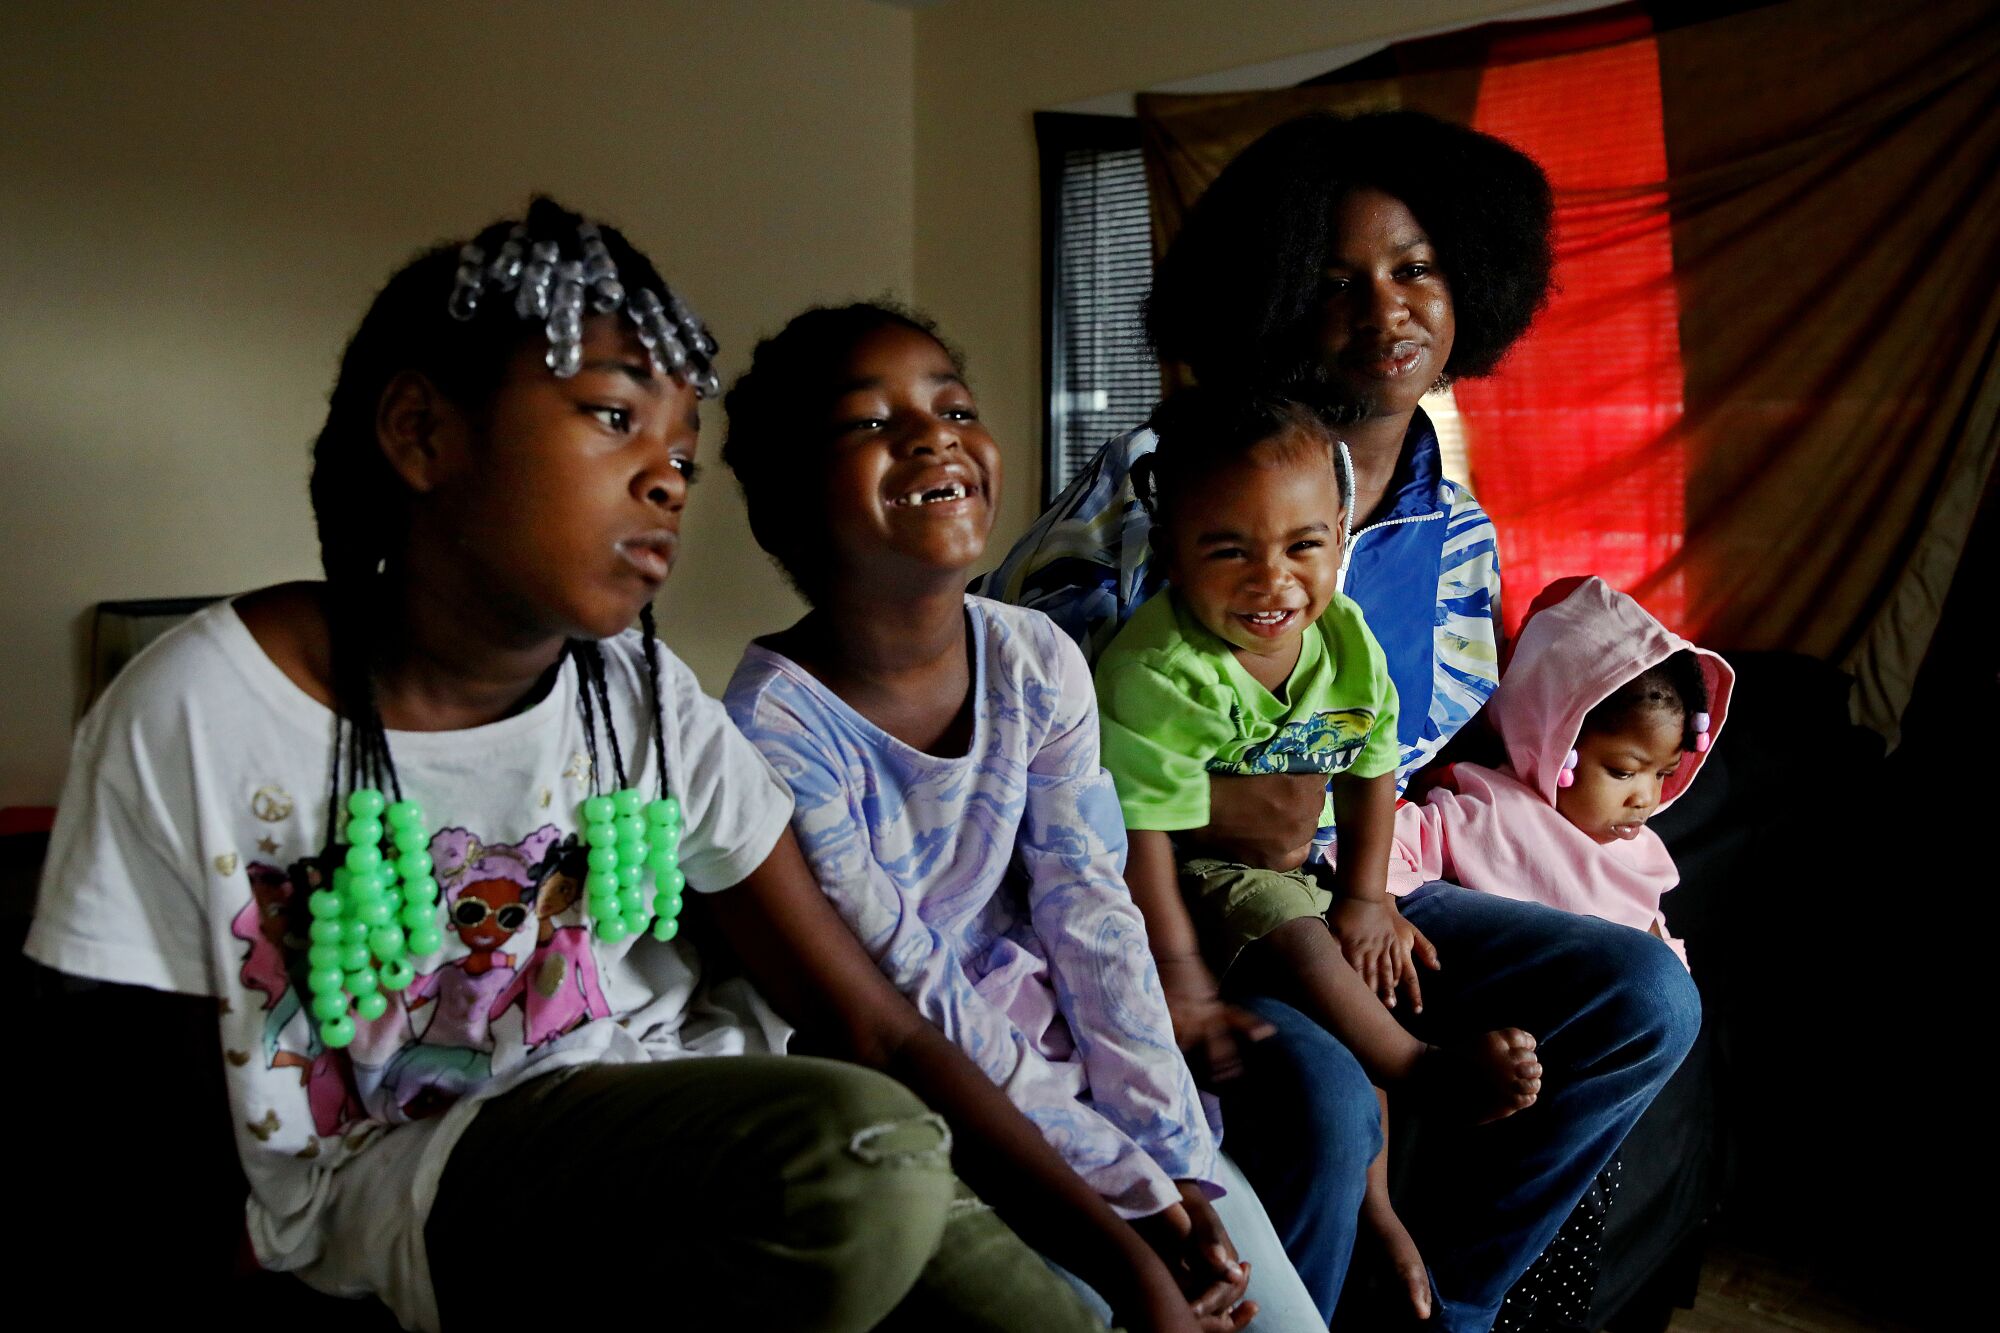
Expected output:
(193, 827)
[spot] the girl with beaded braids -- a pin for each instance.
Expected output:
(420, 746)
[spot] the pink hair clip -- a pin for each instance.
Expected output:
(1567, 778)
(1701, 733)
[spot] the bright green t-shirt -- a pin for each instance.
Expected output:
(1176, 706)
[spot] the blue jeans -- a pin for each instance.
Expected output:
(1612, 1011)
(1283, 1304)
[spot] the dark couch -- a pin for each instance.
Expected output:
(1732, 836)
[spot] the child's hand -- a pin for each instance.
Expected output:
(1191, 1240)
(1382, 947)
(1206, 1029)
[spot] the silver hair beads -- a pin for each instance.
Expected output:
(554, 290)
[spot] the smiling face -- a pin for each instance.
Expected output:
(1253, 548)
(1384, 325)
(563, 497)
(1619, 775)
(912, 477)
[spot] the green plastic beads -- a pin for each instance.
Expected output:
(380, 911)
(628, 837)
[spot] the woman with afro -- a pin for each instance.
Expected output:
(1352, 264)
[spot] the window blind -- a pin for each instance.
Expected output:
(1102, 378)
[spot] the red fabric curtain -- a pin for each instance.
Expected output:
(1576, 449)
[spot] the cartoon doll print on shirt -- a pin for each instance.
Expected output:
(558, 987)
(273, 924)
(504, 946)
(488, 892)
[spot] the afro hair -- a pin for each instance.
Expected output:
(1246, 269)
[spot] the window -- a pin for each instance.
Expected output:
(1097, 265)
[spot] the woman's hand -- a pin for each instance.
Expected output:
(1206, 1029)
(1266, 820)
(1191, 1240)
(1382, 947)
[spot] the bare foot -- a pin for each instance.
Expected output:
(1494, 1076)
(1404, 1260)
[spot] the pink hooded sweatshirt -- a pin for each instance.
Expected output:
(1497, 830)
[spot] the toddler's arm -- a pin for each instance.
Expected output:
(1378, 942)
(1204, 1027)
(1156, 742)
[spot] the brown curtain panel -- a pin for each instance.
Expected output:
(1832, 193)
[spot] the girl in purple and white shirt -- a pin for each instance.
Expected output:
(942, 753)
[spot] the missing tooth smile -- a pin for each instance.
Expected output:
(935, 495)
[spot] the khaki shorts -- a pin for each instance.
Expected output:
(1234, 904)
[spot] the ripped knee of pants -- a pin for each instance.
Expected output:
(918, 1140)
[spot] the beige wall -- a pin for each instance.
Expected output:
(983, 68)
(198, 200)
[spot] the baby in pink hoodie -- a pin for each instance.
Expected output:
(1607, 716)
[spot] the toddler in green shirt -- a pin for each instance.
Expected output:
(1240, 707)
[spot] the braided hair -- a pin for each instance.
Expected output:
(417, 324)
(1672, 687)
